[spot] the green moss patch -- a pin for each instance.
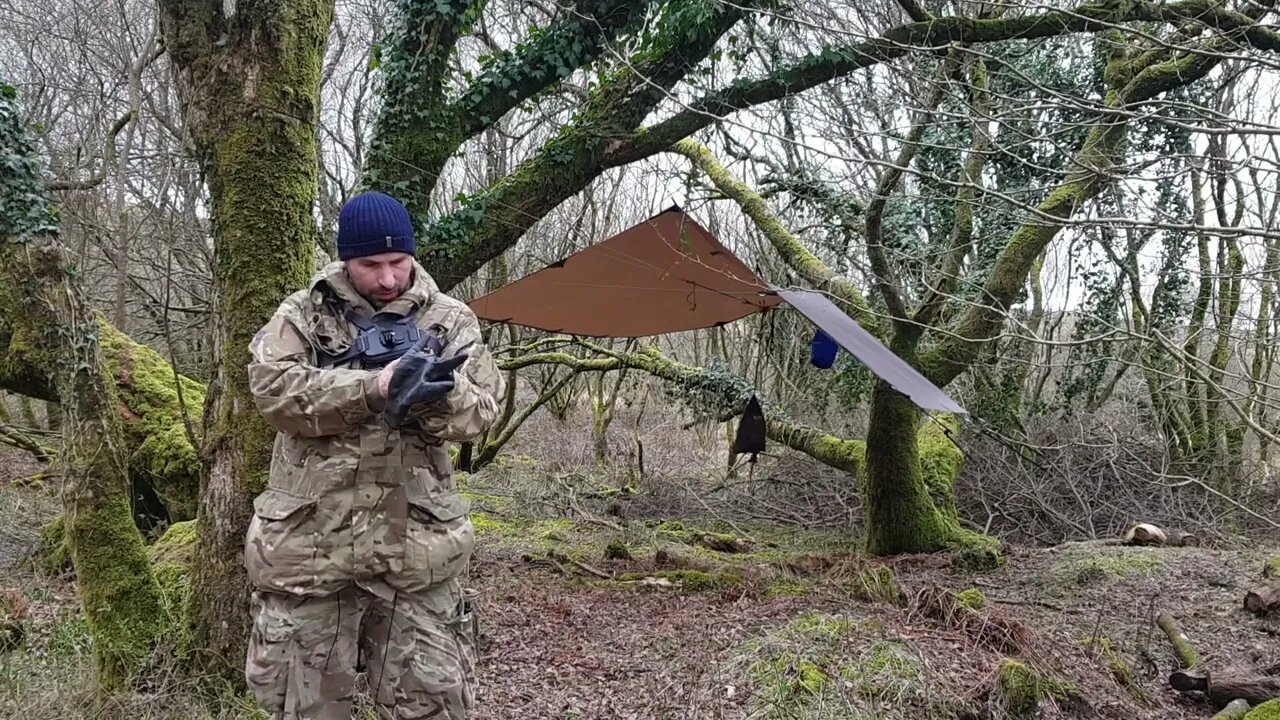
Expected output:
(522, 530)
(827, 666)
(786, 587)
(53, 555)
(1093, 569)
(1269, 710)
(977, 553)
(162, 452)
(971, 599)
(940, 462)
(172, 557)
(1019, 689)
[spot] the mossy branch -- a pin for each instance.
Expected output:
(492, 221)
(840, 453)
(793, 252)
(159, 450)
(515, 76)
(841, 60)
(418, 128)
(1188, 658)
(414, 65)
(1087, 174)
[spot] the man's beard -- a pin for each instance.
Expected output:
(377, 303)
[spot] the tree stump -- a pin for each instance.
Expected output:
(1263, 599)
(1226, 686)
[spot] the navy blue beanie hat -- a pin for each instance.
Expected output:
(372, 223)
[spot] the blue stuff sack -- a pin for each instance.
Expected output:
(823, 352)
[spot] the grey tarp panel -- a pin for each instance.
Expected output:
(869, 351)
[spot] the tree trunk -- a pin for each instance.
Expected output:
(120, 595)
(155, 417)
(466, 451)
(251, 83)
(53, 330)
(901, 515)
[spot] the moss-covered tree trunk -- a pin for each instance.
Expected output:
(251, 83)
(155, 418)
(51, 329)
(900, 516)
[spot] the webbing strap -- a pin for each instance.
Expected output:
(381, 340)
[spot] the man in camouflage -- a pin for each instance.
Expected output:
(357, 548)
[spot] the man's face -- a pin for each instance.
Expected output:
(383, 277)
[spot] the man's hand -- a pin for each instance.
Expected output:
(384, 377)
(419, 376)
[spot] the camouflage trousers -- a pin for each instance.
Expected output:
(417, 648)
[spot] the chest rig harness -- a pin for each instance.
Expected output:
(381, 340)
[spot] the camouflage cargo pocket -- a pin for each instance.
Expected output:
(438, 542)
(280, 550)
(270, 653)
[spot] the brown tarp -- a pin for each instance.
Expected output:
(668, 274)
(663, 275)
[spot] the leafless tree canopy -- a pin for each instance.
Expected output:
(1135, 372)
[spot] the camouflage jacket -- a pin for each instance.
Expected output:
(348, 499)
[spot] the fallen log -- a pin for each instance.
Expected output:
(1145, 534)
(1226, 686)
(1187, 655)
(1221, 687)
(1235, 710)
(724, 543)
(1263, 599)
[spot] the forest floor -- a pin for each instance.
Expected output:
(580, 620)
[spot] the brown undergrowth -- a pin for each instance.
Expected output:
(597, 615)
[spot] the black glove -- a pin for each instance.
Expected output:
(421, 376)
